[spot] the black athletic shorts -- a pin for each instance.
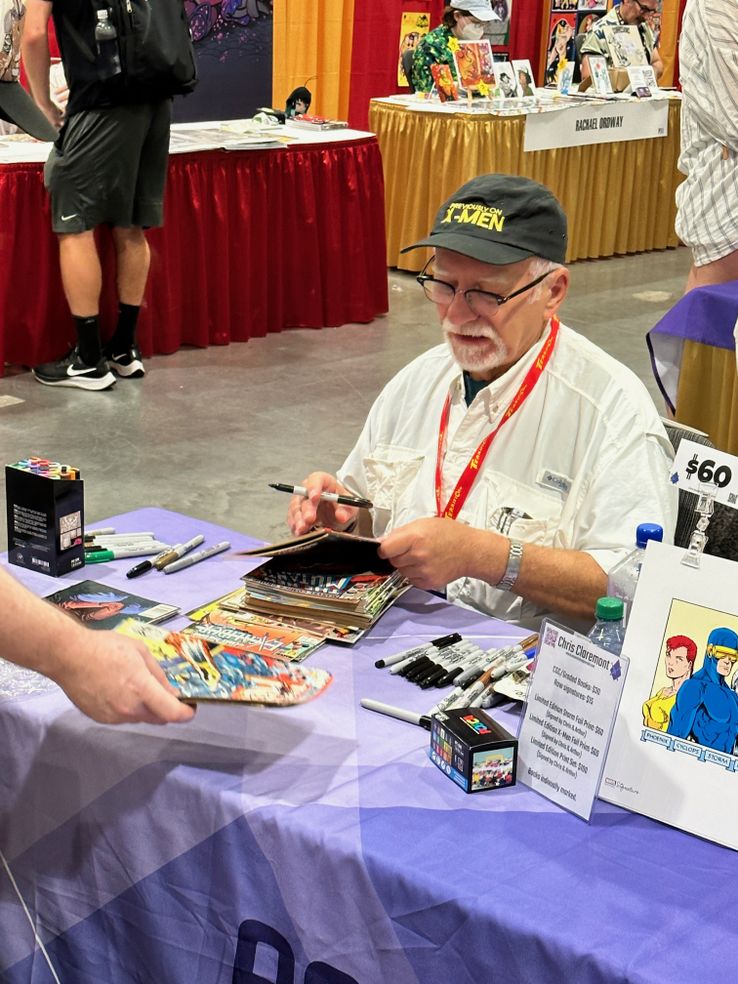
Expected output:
(110, 166)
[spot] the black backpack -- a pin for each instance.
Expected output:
(157, 57)
(156, 49)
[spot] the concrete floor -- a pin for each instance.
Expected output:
(206, 430)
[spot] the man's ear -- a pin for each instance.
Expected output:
(558, 289)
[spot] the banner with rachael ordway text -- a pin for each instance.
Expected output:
(578, 126)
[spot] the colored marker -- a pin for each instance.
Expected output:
(146, 565)
(195, 558)
(120, 553)
(422, 720)
(179, 551)
(343, 500)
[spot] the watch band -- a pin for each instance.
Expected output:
(512, 571)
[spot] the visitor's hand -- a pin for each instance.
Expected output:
(116, 680)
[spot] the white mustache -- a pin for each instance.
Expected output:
(470, 331)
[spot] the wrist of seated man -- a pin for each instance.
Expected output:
(512, 568)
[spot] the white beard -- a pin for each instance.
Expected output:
(484, 358)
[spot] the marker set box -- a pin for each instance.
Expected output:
(45, 509)
(473, 750)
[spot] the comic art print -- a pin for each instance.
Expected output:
(674, 751)
(474, 64)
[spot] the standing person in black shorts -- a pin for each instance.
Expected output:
(107, 167)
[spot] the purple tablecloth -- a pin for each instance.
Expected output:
(324, 832)
(708, 315)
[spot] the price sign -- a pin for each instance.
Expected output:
(698, 469)
(574, 694)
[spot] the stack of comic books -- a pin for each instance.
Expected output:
(203, 670)
(334, 578)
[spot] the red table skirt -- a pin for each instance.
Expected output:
(254, 242)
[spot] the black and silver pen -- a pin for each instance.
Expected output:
(342, 500)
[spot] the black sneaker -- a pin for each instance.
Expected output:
(129, 364)
(72, 371)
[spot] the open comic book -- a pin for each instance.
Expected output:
(203, 670)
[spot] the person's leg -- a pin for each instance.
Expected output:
(81, 273)
(133, 261)
(67, 176)
(134, 258)
(132, 248)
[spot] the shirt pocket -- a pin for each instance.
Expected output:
(390, 475)
(521, 512)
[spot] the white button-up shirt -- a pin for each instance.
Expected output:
(582, 462)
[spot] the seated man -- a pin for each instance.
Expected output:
(572, 455)
(628, 12)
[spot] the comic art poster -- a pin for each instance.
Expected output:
(497, 31)
(412, 28)
(560, 48)
(674, 754)
(233, 45)
(474, 64)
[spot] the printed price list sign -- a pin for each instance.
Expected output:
(698, 468)
(572, 702)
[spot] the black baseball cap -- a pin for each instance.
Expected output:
(500, 219)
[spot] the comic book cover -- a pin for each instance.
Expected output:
(524, 75)
(102, 607)
(474, 64)
(673, 750)
(257, 635)
(506, 79)
(413, 26)
(205, 671)
(444, 80)
(625, 45)
(600, 76)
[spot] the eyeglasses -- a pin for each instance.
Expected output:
(646, 10)
(481, 302)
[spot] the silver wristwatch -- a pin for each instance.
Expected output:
(512, 571)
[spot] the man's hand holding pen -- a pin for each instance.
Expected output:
(307, 511)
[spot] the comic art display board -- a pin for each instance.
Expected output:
(673, 751)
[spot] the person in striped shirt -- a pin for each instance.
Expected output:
(707, 201)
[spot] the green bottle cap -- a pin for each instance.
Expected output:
(609, 609)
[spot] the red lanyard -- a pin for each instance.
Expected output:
(464, 484)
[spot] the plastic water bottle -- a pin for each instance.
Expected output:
(608, 631)
(106, 38)
(622, 580)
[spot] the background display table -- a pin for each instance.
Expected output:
(618, 197)
(693, 356)
(142, 852)
(254, 241)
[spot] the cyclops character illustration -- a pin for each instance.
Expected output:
(706, 709)
(681, 652)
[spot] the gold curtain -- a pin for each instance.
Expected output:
(619, 197)
(668, 39)
(313, 40)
